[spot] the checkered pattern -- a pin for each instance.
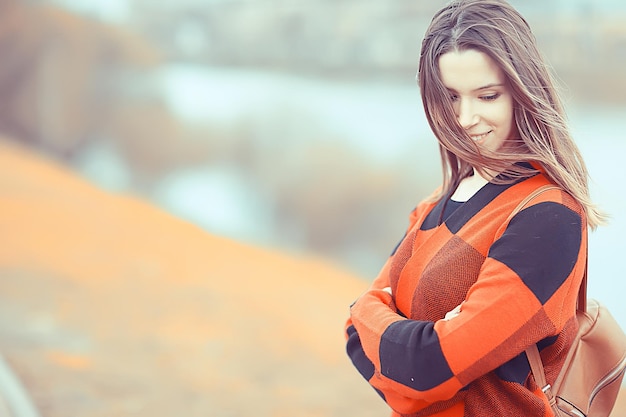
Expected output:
(517, 282)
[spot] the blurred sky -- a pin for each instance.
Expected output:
(115, 11)
(119, 11)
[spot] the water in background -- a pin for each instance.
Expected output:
(600, 135)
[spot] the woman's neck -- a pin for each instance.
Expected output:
(469, 186)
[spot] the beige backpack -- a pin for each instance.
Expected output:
(591, 377)
(592, 374)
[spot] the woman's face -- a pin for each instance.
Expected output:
(482, 101)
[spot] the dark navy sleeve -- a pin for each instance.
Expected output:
(541, 246)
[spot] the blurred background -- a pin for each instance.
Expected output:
(292, 125)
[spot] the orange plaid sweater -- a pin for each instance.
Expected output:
(517, 283)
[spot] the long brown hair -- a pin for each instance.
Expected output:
(496, 29)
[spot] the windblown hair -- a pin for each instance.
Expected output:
(496, 29)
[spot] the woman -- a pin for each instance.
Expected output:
(443, 329)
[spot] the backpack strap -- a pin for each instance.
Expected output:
(532, 353)
(534, 358)
(536, 367)
(582, 291)
(529, 197)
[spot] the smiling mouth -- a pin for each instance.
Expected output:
(478, 138)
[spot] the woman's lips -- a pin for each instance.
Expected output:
(479, 137)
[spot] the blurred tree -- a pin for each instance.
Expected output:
(60, 74)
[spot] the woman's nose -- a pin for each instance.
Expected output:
(466, 114)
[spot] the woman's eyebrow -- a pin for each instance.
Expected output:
(489, 86)
(485, 87)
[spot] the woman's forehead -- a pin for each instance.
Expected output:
(469, 70)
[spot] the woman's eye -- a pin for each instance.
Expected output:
(454, 97)
(491, 97)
